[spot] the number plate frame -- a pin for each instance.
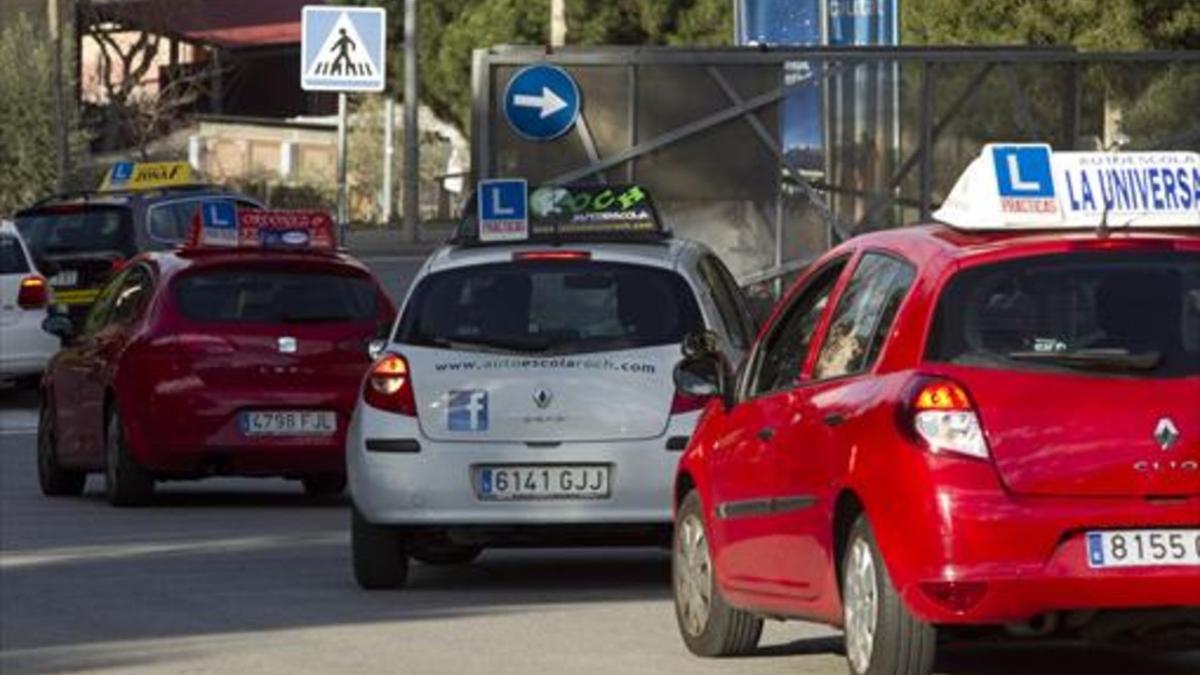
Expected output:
(300, 423)
(65, 278)
(547, 479)
(1180, 547)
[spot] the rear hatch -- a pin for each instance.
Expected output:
(276, 327)
(1084, 367)
(84, 241)
(546, 351)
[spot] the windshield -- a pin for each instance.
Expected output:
(550, 308)
(1119, 313)
(242, 295)
(78, 229)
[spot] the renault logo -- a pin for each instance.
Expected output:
(1166, 433)
(542, 397)
(287, 345)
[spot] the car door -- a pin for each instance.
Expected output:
(838, 387)
(742, 486)
(73, 409)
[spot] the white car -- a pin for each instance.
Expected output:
(24, 296)
(526, 398)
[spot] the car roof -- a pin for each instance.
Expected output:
(128, 197)
(925, 243)
(665, 254)
(173, 262)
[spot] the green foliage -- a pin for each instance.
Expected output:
(450, 30)
(28, 168)
(1110, 25)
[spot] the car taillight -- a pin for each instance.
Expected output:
(389, 386)
(34, 293)
(682, 403)
(942, 416)
(528, 256)
(118, 264)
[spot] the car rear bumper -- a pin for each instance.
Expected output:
(1028, 556)
(435, 486)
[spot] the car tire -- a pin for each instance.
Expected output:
(54, 480)
(380, 554)
(446, 554)
(125, 483)
(323, 485)
(882, 636)
(708, 624)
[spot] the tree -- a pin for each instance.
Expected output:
(1109, 25)
(28, 169)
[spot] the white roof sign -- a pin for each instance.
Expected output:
(1029, 186)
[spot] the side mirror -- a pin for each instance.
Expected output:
(375, 349)
(60, 325)
(704, 370)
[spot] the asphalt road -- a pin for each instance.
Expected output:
(233, 576)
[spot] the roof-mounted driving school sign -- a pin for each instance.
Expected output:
(343, 48)
(1017, 185)
(541, 102)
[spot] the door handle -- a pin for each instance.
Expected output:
(765, 434)
(834, 419)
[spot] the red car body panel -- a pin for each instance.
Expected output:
(1062, 448)
(179, 385)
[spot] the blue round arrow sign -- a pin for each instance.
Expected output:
(541, 102)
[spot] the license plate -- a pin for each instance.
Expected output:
(543, 482)
(65, 278)
(289, 423)
(1143, 548)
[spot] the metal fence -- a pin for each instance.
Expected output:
(711, 131)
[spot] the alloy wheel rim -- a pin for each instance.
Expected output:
(693, 576)
(861, 605)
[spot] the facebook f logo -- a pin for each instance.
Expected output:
(1023, 170)
(467, 411)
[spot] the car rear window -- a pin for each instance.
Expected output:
(78, 229)
(1111, 313)
(12, 258)
(264, 296)
(550, 307)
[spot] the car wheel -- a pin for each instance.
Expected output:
(55, 481)
(325, 485)
(708, 624)
(380, 554)
(446, 554)
(126, 483)
(882, 636)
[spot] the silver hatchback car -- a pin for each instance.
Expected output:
(525, 397)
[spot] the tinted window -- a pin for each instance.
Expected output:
(786, 346)
(12, 258)
(171, 222)
(1120, 313)
(863, 316)
(553, 307)
(729, 300)
(263, 296)
(100, 311)
(83, 229)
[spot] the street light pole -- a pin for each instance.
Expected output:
(63, 150)
(412, 152)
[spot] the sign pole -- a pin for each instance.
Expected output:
(343, 209)
(412, 152)
(389, 158)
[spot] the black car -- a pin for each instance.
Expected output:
(81, 238)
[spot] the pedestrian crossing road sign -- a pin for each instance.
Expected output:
(343, 48)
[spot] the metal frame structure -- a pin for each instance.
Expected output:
(831, 60)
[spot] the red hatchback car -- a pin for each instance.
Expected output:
(941, 428)
(211, 361)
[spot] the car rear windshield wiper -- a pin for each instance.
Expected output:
(1094, 359)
